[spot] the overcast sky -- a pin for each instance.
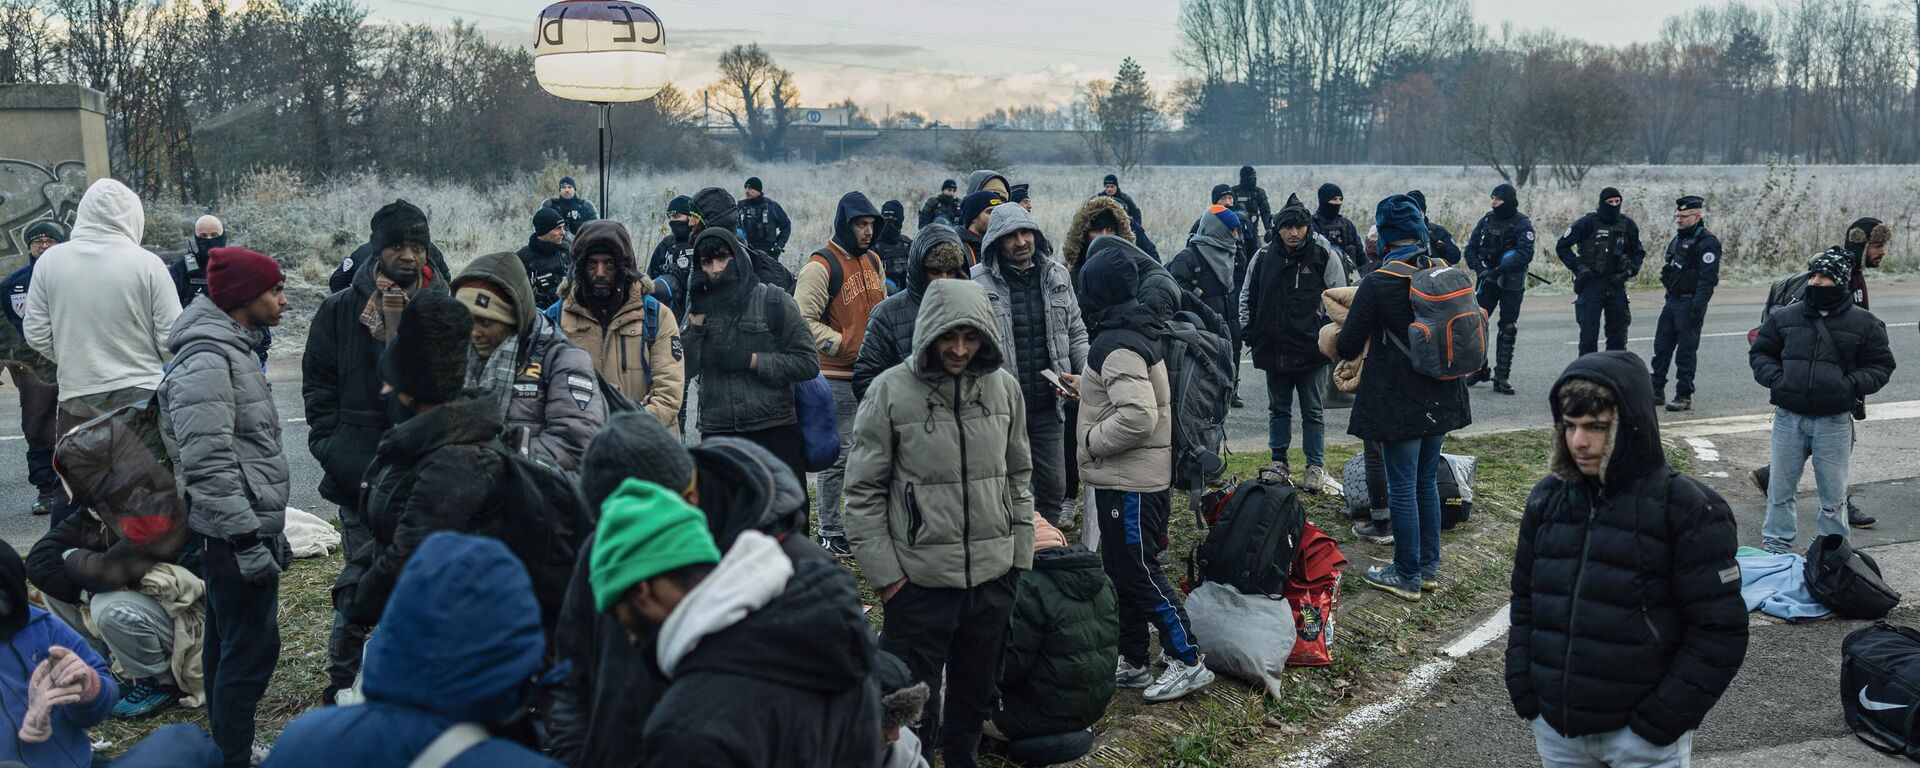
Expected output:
(956, 59)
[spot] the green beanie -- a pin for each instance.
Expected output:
(645, 530)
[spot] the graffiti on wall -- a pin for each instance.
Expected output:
(30, 191)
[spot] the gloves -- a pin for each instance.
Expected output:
(1583, 276)
(62, 678)
(256, 560)
(699, 299)
(729, 359)
(775, 251)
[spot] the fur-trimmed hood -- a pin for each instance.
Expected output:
(1083, 220)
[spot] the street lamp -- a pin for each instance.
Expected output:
(602, 53)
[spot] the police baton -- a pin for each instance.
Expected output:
(1532, 276)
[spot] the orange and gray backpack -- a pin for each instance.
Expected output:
(1448, 337)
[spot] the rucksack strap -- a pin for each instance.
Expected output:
(649, 331)
(449, 745)
(837, 275)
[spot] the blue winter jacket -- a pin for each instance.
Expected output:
(69, 745)
(459, 641)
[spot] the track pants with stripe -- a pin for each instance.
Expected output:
(1133, 530)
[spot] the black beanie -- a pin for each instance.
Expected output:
(680, 204)
(633, 445)
(45, 228)
(753, 183)
(1510, 198)
(893, 210)
(971, 207)
(399, 222)
(1608, 194)
(545, 219)
(1218, 190)
(1328, 192)
(949, 184)
(1861, 233)
(1016, 193)
(1110, 179)
(427, 358)
(567, 181)
(1419, 199)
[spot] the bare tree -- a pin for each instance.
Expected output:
(1128, 114)
(1584, 113)
(758, 99)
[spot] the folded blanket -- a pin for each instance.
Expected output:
(1346, 373)
(1776, 585)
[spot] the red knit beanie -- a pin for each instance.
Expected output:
(236, 276)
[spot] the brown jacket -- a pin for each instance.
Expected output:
(622, 357)
(839, 328)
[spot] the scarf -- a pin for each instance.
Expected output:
(381, 316)
(1219, 253)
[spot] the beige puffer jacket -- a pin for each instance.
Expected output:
(1346, 373)
(1126, 423)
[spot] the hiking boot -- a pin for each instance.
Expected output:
(1680, 403)
(1502, 387)
(1373, 532)
(1316, 480)
(1479, 376)
(1659, 395)
(145, 698)
(836, 546)
(1237, 402)
(1760, 477)
(44, 504)
(1859, 519)
(1388, 579)
(1179, 679)
(1129, 676)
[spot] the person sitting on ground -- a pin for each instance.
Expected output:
(1642, 558)
(55, 686)
(768, 658)
(455, 657)
(1057, 674)
(545, 388)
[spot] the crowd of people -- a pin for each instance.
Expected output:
(976, 380)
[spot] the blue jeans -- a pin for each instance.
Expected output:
(1614, 749)
(1828, 440)
(1413, 491)
(1312, 386)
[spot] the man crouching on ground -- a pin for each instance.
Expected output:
(1627, 617)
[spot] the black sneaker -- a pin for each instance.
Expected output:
(1760, 478)
(1479, 376)
(1237, 402)
(1502, 387)
(1374, 532)
(1859, 519)
(44, 504)
(1680, 403)
(836, 546)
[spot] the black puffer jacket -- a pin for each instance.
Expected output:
(1804, 374)
(1395, 402)
(890, 326)
(340, 379)
(742, 317)
(434, 472)
(1626, 594)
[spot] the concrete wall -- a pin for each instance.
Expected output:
(53, 143)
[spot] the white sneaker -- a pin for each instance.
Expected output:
(1316, 480)
(1129, 676)
(1179, 680)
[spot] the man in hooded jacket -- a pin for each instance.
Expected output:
(347, 413)
(767, 657)
(1609, 255)
(460, 642)
(609, 309)
(1499, 251)
(545, 256)
(1033, 302)
(1211, 268)
(1337, 229)
(545, 389)
(1280, 307)
(713, 208)
(937, 254)
(941, 517)
(1627, 618)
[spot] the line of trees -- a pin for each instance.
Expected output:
(1417, 81)
(200, 93)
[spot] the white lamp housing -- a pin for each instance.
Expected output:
(599, 51)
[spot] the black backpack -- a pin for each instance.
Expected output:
(1847, 580)
(1201, 380)
(1880, 687)
(768, 269)
(1252, 546)
(543, 520)
(1455, 507)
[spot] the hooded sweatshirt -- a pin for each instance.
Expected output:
(554, 395)
(460, 641)
(939, 484)
(838, 320)
(746, 317)
(986, 179)
(100, 306)
(770, 660)
(1626, 594)
(614, 335)
(889, 334)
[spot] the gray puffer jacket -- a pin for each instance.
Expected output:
(1066, 331)
(219, 410)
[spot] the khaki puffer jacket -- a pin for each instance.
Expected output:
(1346, 373)
(939, 483)
(621, 355)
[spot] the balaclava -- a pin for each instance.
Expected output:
(1328, 208)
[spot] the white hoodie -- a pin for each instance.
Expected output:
(100, 306)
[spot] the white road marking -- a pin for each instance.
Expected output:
(1333, 741)
(1703, 448)
(1716, 474)
(1761, 422)
(1576, 342)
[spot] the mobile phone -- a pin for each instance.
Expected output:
(1054, 379)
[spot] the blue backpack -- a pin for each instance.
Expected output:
(812, 400)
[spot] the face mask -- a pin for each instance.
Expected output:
(203, 245)
(1826, 297)
(681, 230)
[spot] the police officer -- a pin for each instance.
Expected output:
(1250, 202)
(763, 220)
(671, 264)
(572, 207)
(1328, 223)
(944, 207)
(1691, 271)
(1609, 255)
(1499, 251)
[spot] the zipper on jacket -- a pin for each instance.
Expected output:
(1573, 605)
(913, 517)
(1648, 618)
(623, 353)
(966, 483)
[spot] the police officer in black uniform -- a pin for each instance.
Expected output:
(1691, 271)
(572, 207)
(1328, 223)
(1499, 251)
(763, 220)
(1256, 216)
(672, 261)
(942, 207)
(1609, 255)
